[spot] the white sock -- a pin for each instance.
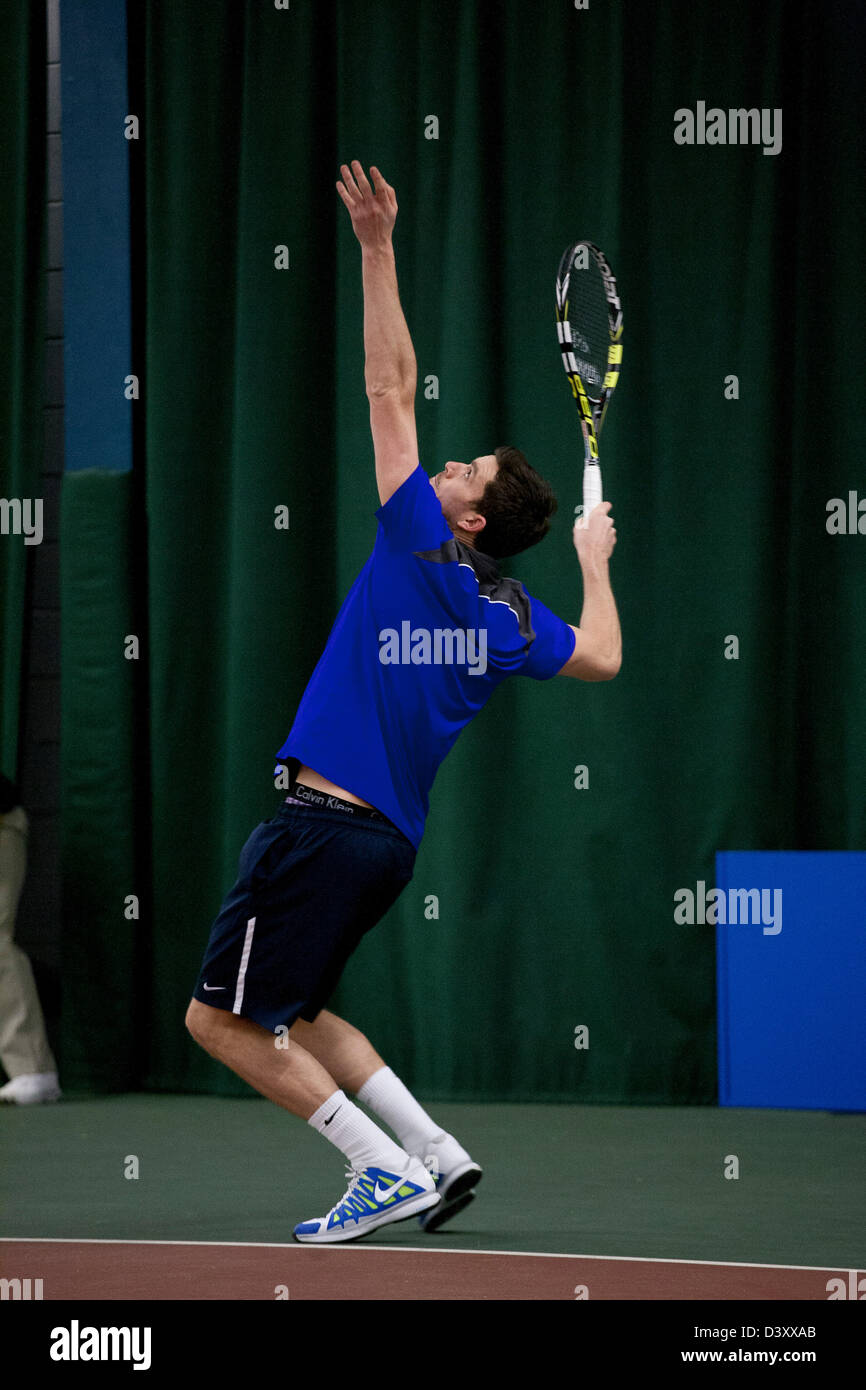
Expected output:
(388, 1098)
(363, 1142)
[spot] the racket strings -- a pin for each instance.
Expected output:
(589, 324)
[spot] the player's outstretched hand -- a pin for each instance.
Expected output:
(595, 536)
(373, 210)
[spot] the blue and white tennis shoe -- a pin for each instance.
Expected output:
(456, 1176)
(375, 1197)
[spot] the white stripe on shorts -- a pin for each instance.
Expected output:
(248, 945)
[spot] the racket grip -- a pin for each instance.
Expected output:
(591, 488)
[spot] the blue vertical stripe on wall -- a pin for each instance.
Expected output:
(97, 353)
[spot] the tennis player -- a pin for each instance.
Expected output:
(428, 632)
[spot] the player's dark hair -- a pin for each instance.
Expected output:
(517, 506)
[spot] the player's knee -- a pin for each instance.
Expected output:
(203, 1022)
(192, 1019)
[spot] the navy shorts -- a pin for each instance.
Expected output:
(311, 882)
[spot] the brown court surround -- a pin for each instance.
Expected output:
(147, 1271)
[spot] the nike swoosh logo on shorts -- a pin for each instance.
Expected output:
(210, 987)
(382, 1194)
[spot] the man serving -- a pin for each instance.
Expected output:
(401, 674)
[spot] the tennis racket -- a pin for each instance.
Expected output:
(589, 328)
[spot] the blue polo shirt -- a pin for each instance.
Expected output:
(427, 632)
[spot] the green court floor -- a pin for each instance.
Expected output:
(605, 1180)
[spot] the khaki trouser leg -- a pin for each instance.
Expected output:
(24, 1046)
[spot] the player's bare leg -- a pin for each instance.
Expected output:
(288, 1075)
(393, 1184)
(356, 1064)
(342, 1050)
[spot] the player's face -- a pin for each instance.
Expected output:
(460, 486)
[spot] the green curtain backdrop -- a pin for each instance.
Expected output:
(554, 906)
(22, 329)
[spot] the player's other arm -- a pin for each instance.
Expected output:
(390, 369)
(597, 654)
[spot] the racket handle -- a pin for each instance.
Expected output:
(591, 488)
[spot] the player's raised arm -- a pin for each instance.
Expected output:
(597, 654)
(390, 368)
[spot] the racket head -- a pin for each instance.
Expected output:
(589, 329)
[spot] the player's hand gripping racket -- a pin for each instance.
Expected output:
(589, 328)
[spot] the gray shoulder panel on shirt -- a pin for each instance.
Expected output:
(491, 584)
